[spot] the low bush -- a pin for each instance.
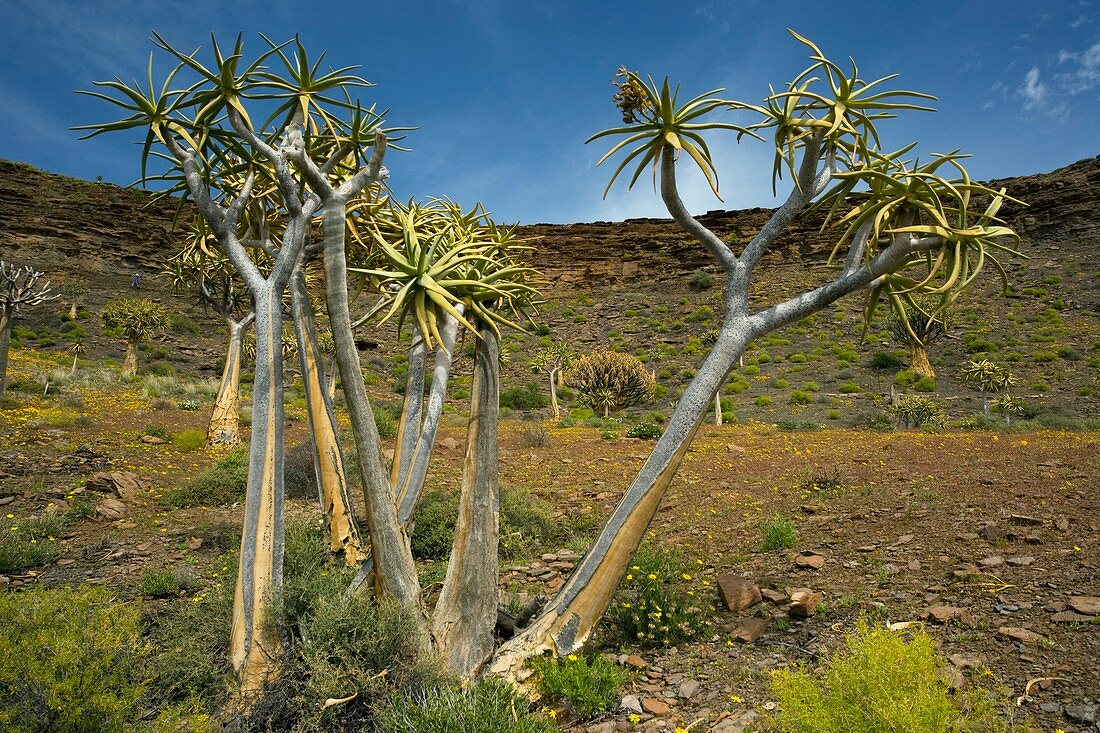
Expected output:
(29, 542)
(491, 706)
(918, 412)
(159, 583)
(700, 280)
(223, 482)
(644, 431)
(880, 683)
(588, 686)
(886, 360)
(528, 397)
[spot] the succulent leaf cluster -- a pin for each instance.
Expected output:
(609, 380)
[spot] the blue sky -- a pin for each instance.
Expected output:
(504, 93)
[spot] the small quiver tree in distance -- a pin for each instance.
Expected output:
(917, 327)
(201, 269)
(901, 226)
(553, 361)
(139, 319)
(20, 287)
(247, 176)
(610, 380)
(989, 378)
(75, 293)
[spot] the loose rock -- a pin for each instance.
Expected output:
(738, 593)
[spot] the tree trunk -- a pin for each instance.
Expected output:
(5, 345)
(985, 404)
(465, 615)
(413, 484)
(330, 381)
(328, 459)
(255, 646)
(718, 408)
(72, 369)
(395, 575)
(409, 429)
(224, 427)
(554, 393)
(568, 620)
(72, 311)
(918, 360)
(130, 359)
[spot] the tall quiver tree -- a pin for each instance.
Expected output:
(553, 361)
(916, 326)
(202, 269)
(75, 293)
(238, 173)
(440, 266)
(892, 215)
(20, 287)
(139, 319)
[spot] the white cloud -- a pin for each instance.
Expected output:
(1033, 91)
(1085, 72)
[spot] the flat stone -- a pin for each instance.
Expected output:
(1020, 560)
(943, 614)
(1062, 524)
(966, 571)
(992, 561)
(810, 560)
(1024, 636)
(631, 703)
(449, 443)
(110, 509)
(152, 440)
(738, 593)
(774, 596)
(5, 500)
(607, 726)
(965, 661)
(867, 548)
(751, 629)
(653, 706)
(735, 722)
(1069, 617)
(1085, 604)
(991, 533)
(1026, 520)
(1080, 713)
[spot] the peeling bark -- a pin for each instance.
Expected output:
(409, 429)
(554, 375)
(466, 612)
(718, 408)
(5, 345)
(130, 359)
(328, 460)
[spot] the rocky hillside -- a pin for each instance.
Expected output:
(625, 285)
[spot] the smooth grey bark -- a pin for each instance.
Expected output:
(395, 571)
(411, 409)
(5, 346)
(413, 484)
(465, 614)
(567, 621)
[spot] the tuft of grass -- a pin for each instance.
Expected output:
(588, 686)
(29, 542)
(492, 706)
(880, 682)
(160, 583)
(778, 534)
(189, 440)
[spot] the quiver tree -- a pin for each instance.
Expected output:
(20, 287)
(203, 270)
(77, 349)
(609, 380)
(988, 378)
(917, 326)
(139, 319)
(891, 216)
(553, 361)
(708, 339)
(247, 180)
(439, 267)
(75, 293)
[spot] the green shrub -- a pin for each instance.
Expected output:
(778, 534)
(886, 360)
(72, 662)
(657, 603)
(644, 431)
(848, 388)
(798, 397)
(589, 687)
(880, 683)
(433, 530)
(608, 380)
(763, 400)
(223, 482)
(491, 706)
(189, 440)
(528, 397)
(188, 405)
(918, 412)
(700, 280)
(157, 432)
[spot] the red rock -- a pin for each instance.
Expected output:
(943, 614)
(110, 509)
(1085, 604)
(738, 593)
(194, 543)
(1024, 636)
(804, 603)
(633, 660)
(653, 706)
(811, 560)
(1068, 617)
(774, 596)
